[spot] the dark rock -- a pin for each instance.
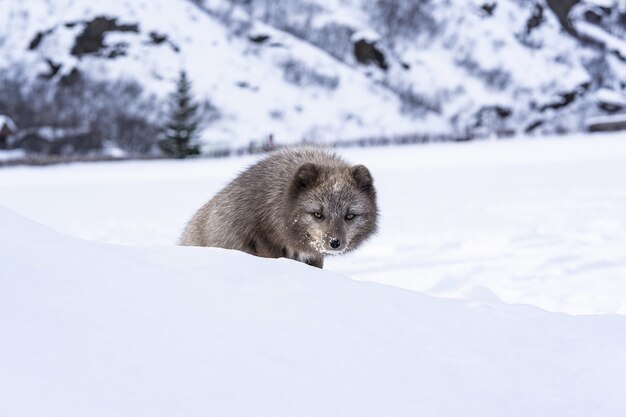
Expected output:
(53, 70)
(36, 41)
(503, 112)
(70, 79)
(7, 129)
(39, 37)
(91, 40)
(259, 38)
(614, 123)
(157, 38)
(489, 8)
(536, 19)
(119, 49)
(561, 9)
(610, 107)
(611, 102)
(366, 52)
(531, 127)
(592, 16)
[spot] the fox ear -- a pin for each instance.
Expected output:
(306, 176)
(362, 177)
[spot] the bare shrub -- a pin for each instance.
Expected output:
(497, 79)
(115, 112)
(300, 74)
(398, 18)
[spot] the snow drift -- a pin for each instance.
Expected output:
(103, 330)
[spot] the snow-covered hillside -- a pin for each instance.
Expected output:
(320, 70)
(282, 86)
(538, 222)
(102, 330)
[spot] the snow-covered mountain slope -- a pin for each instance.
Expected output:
(104, 330)
(490, 66)
(283, 86)
(319, 70)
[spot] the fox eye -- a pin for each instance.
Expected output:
(318, 215)
(349, 216)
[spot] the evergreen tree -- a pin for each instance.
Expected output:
(182, 126)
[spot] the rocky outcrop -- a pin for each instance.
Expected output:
(561, 9)
(366, 52)
(91, 40)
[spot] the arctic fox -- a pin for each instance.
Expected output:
(301, 203)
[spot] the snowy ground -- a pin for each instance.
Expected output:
(90, 328)
(533, 221)
(107, 330)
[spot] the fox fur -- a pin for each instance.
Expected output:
(302, 203)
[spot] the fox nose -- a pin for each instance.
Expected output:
(335, 243)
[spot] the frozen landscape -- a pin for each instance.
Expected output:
(495, 287)
(147, 328)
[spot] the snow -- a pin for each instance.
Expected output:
(8, 155)
(614, 118)
(530, 221)
(611, 42)
(602, 3)
(365, 35)
(107, 330)
(610, 97)
(6, 120)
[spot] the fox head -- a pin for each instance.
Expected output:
(331, 209)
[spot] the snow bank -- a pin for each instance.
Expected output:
(536, 221)
(102, 330)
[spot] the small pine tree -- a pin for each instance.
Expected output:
(182, 126)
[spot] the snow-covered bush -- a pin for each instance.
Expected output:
(401, 18)
(298, 73)
(115, 112)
